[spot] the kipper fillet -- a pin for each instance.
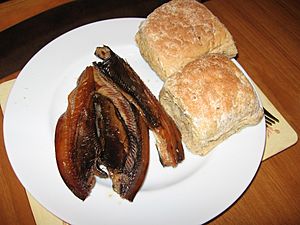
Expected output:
(168, 137)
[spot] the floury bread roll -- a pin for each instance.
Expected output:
(210, 99)
(178, 32)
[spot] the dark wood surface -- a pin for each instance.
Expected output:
(267, 33)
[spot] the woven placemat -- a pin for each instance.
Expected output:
(279, 137)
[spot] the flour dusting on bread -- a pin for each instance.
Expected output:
(178, 32)
(205, 93)
(210, 99)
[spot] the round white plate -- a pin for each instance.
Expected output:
(196, 191)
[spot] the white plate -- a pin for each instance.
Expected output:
(196, 191)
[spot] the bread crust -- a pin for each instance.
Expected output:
(178, 32)
(210, 99)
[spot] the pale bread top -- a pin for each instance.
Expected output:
(215, 97)
(178, 32)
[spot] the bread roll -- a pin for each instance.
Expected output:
(210, 99)
(178, 32)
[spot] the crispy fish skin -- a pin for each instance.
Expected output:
(76, 143)
(168, 137)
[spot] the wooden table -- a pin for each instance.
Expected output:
(267, 33)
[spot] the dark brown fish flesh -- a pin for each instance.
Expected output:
(168, 137)
(125, 138)
(76, 142)
(104, 131)
(101, 128)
